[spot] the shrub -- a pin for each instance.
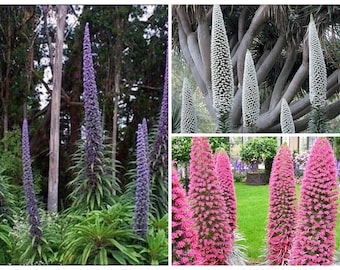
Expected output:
(257, 150)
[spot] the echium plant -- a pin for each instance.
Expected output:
(142, 200)
(93, 125)
(282, 208)
(314, 241)
(225, 177)
(250, 94)
(317, 81)
(184, 233)
(286, 118)
(208, 205)
(222, 80)
(188, 114)
(159, 154)
(93, 185)
(31, 203)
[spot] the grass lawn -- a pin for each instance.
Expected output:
(252, 214)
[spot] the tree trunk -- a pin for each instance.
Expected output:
(117, 73)
(53, 177)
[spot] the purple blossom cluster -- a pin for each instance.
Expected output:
(242, 168)
(142, 200)
(300, 161)
(31, 203)
(93, 125)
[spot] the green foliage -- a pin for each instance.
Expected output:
(218, 143)
(224, 124)
(318, 121)
(103, 237)
(10, 155)
(24, 251)
(5, 244)
(181, 149)
(258, 150)
(85, 197)
(7, 201)
(156, 250)
(336, 146)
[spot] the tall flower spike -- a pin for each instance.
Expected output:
(314, 243)
(225, 177)
(317, 68)
(222, 80)
(31, 203)
(208, 205)
(140, 225)
(282, 208)
(286, 118)
(93, 125)
(188, 115)
(250, 94)
(159, 153)
(184, 232)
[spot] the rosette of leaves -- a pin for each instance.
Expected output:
(93, 185)
(222, 81)
(142, 200)
(188, 115)
(317, 81)
(103, 237)
(286, 118)
(250, 94)
(282, 208)
(314, 242)
(208, 206)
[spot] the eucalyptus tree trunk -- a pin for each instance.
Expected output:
(116, 90)
(53, 176)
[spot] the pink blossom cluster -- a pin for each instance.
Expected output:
(208, 205)
(314, 243)
(184, 233)
(282, 208)
(224, 175)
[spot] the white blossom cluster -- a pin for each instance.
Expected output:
(188, 115)
(221, 67)
(317, 69)
(250, 93)
(286, 118)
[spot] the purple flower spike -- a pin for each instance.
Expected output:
(140, 225)
(93, 125)
(31, 203)
(160, 146)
